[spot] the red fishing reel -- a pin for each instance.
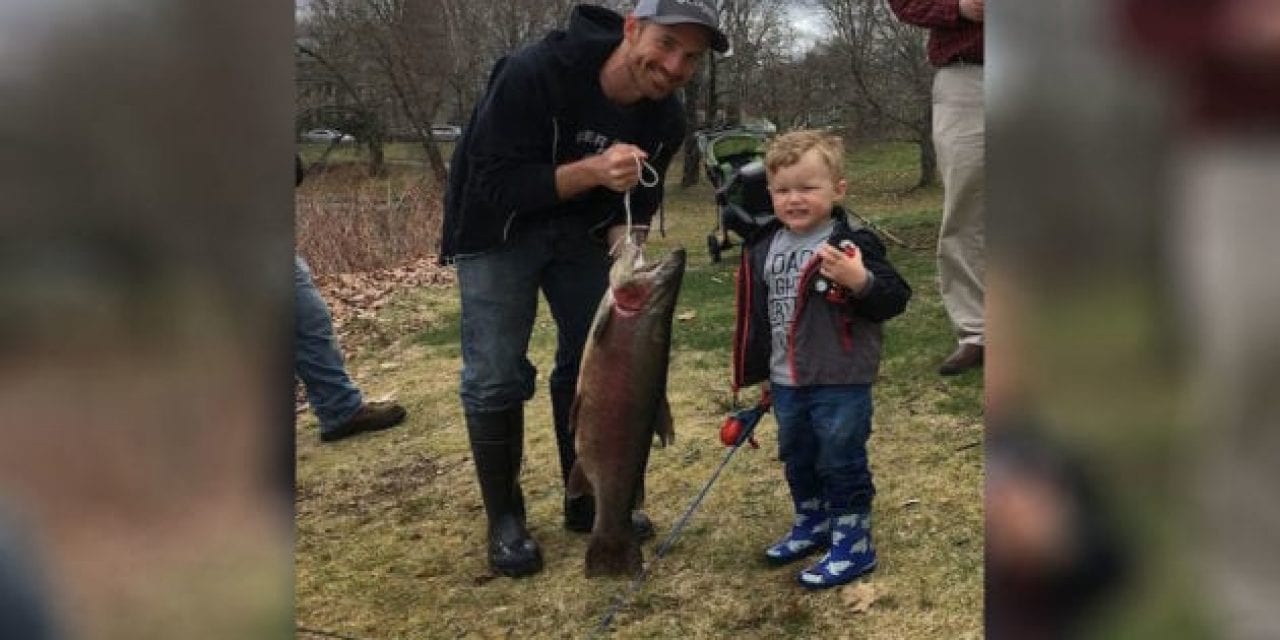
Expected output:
(740, 425)
(832, 291)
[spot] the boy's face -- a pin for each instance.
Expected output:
(804, 193)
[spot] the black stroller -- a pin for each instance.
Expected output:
(734, 160)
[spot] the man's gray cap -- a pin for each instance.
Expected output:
(701, 12)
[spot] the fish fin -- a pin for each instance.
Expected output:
(617, 555)
(578, 484)
(573, 415)
(663, 425)
(603, 313)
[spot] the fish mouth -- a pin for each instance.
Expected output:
(651, 284)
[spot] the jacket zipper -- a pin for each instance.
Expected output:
(555, 149)
(802, 296)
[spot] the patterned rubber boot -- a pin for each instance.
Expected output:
(851, 554)
(808, 534)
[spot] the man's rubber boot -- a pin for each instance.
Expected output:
(580, 512)
(497, 444)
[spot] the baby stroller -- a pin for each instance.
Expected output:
(734, 160)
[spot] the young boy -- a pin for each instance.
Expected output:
(812, 291)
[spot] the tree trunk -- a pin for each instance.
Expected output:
(692, 162)
(928, 163)
(434, 160)
(377, 159)
(692, 157)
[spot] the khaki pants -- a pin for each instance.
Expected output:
(1226, 262)
(958, 138)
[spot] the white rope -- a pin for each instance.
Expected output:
(641, 166)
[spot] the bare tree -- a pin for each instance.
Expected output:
(756, 29)
(481, 32)
(326, 97)
(389, 53)
(890, 72)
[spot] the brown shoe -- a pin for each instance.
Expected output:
(371, 416)
(964, 358)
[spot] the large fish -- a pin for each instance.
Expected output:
(622, 402)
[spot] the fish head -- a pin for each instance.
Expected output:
(639, 287)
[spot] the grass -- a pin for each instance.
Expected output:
(390, 528)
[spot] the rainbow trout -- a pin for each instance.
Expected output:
(622, 402)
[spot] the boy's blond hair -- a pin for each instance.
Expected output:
(788, 148)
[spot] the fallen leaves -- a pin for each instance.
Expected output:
(859, 597)
(361, 295)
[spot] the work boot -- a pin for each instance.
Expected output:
(809, 533)
(850, 556)
(579, 512)
(965, 357)
(497, 443)
(371, 416)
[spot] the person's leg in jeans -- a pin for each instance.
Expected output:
(499, 291)
(841, 419)
(798, 450)
(317, 359)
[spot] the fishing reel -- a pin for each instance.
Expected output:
(740, 426)
(834, 292)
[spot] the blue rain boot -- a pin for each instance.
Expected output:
(808, 535)
(850, 556)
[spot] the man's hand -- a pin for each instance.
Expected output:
(972, 9)
(846, 269)
(618, 168)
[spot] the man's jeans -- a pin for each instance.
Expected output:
(499, 290)
(822, 440)
(317, 361)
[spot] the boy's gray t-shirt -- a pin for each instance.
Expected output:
(788, 254)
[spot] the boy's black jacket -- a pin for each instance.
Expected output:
(830, 342)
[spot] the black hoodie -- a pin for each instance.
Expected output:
(543, 108)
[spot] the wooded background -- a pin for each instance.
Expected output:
(385, 70)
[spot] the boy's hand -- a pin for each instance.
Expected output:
(843, 267)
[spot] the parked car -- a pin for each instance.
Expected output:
(327, 136)
(446, 132)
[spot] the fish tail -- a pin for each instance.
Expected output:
(577, 484)
(614, 555)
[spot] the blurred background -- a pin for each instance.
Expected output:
(145, 381)
(1131, 478)
(145, 385)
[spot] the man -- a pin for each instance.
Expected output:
(535, 198)
(317, 361)
(955, 48)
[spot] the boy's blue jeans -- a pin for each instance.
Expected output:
(317, 360)
(822, 441)
(499, 291)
